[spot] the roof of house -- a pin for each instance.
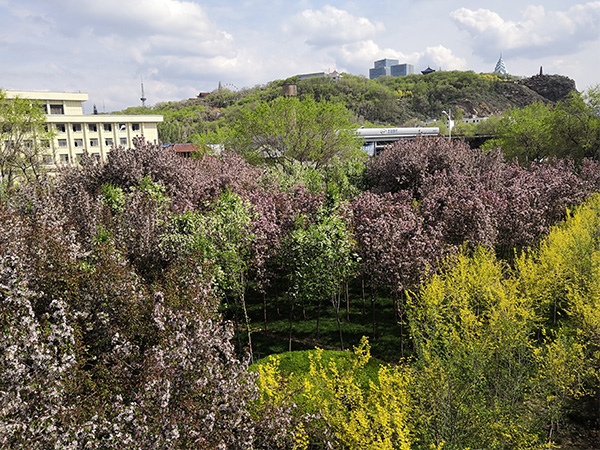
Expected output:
(182, 148)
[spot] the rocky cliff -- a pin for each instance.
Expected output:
(554, 88)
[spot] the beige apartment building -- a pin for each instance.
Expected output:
(76, 132)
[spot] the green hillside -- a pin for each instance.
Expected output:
(387, 101)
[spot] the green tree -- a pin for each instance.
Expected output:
(321, 258)
(288, 129)
(575, 126)
(24, 139)
(224, 236)
(571, 129)
(524, 133)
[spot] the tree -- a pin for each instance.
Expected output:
(321, 259)
(24, 139)
(394, 246)
(288, 129)
(536, 132)
(576, 126)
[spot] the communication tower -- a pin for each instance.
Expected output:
(143, 98)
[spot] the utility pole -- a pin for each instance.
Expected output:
(450, 124)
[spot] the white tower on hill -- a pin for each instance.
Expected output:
(500, 67)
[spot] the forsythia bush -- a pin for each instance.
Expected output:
(473, 367)
(370, 415)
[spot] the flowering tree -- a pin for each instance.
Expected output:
(395, 247)
(37, 352)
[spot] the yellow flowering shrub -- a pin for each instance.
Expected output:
(358, 413)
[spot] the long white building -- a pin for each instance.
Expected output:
(376, 139)
(76, 132)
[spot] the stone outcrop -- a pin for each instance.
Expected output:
(552, 87)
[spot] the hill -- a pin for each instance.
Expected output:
(387, 101)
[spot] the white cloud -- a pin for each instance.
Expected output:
(538, 31)
(146, 28)
(441, 57)
(361, 55)
(330, 26)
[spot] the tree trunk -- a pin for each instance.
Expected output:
(362, 283)
(373, 310)
(318, 317)
(235, 324)
(247, 319)
(303, 309)
(336, 299)
(347, 301)
(291, 324)
(265, 309)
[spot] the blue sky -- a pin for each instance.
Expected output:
(180, 48)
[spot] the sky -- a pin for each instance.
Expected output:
(177, 48)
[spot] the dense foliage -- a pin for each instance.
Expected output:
(24, 140)
(128, 288)
(288, 130)
(569, 129)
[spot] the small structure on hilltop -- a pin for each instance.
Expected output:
(427, 71)
(289, 89)
(333, 76)
(500, 67)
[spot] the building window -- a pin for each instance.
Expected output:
(64, 158)
(93, 128)
(62, 143)
(135, 127)
(61, 128)
(108, 127)
(108, 142)
(96, 156)
(76, 127)
(78, 142)
(57, 109)
(47, 160)
(79, 157)
(93, 142)
(123, 142)
(28, 143)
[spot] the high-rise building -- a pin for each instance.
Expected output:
(401, 70)
(76, 132)
(390, 67)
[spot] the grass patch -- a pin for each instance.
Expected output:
(296, 364)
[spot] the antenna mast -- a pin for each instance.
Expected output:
(143, 98)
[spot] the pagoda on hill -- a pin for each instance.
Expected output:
(501, 67)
